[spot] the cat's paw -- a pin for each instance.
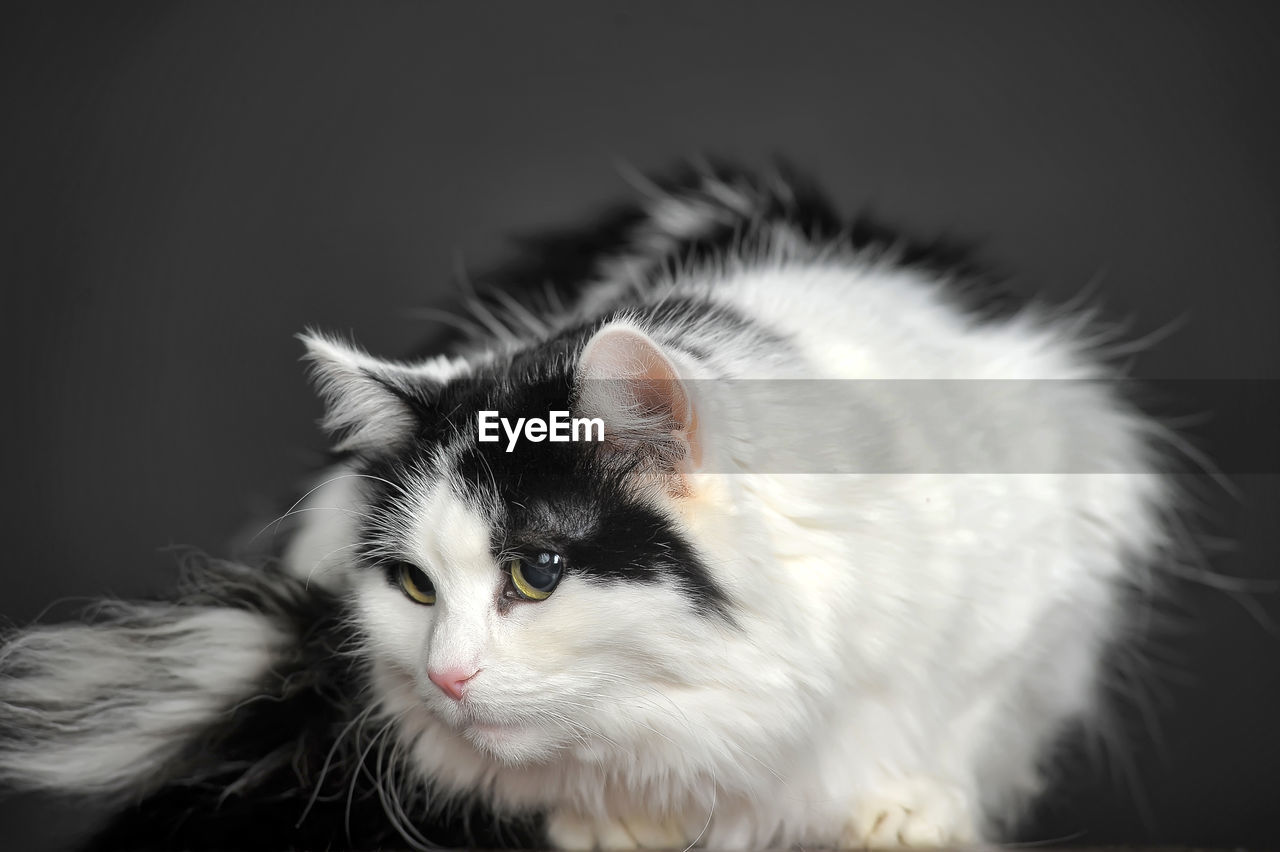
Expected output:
(910, 812)
(574, 833)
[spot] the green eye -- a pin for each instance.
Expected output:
(416, 584)
(536, 577)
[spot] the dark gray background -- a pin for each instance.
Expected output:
(186, 186)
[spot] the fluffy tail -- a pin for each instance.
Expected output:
(108, 706)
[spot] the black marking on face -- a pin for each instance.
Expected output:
(563, 498)
(575, 499)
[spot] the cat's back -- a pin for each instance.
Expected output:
(927, 428)
(854, 317)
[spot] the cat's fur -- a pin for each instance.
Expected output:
(852, 611)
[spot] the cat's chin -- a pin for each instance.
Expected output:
(511, 744)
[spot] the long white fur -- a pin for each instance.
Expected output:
(905, 646)
(103, 708)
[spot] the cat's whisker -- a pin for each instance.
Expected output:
(571, 728)
(659, 734)
(578, 724)
(634, 683)
(362, 769)
(390, 798)
(357, 720)
(325, 558)
(347, 475)
(364, 516)
(649, 702)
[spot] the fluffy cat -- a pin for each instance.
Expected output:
(840, 572)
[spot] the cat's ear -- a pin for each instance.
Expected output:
(627, 379)
(371, 405)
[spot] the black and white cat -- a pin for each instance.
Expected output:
(840, 572)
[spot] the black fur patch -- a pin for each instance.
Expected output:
(572, 497)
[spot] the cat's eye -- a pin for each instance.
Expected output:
(535, 577)
(416, 584)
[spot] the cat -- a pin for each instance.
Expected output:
(839, 569)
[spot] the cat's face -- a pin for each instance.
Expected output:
(532, 600)
(518, 676)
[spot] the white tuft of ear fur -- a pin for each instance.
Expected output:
(363, 406)
(368, 400)
(625, 378)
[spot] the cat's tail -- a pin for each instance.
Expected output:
(110, 705)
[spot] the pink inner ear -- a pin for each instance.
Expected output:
(648, 379)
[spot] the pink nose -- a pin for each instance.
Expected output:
(451, 681)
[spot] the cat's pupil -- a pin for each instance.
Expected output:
(543, 572)
(414, 582)
(421, 580)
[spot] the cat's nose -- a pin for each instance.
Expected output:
(452, 682)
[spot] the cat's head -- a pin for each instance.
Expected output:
(534, 594)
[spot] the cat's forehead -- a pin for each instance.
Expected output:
(532, 492)
(556, 491)
(555, 485)
(442, 528)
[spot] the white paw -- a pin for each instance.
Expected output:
(910, 812)
(574, 833)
